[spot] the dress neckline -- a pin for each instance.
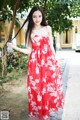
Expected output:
(38, 38)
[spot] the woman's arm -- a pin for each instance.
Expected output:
(51, 38)
(25, 51)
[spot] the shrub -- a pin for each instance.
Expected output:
(17, 60)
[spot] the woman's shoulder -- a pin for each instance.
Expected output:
(48, 27)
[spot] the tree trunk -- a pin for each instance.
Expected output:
(13, 19)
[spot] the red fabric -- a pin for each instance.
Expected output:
(44, 79)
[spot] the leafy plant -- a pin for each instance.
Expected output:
(23, 62)
(12, 61)
(13, 76)
(16, 60)
(1, 80)
(10, 68)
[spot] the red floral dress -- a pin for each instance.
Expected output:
(44, 79)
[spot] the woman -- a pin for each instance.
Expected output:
(44, 78)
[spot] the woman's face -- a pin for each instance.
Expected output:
(37, 17)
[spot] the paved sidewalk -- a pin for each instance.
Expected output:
(71, 109)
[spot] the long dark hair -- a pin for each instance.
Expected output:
(31, 23)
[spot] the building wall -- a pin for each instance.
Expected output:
(60, 38)
(20, 37)
(71, 36)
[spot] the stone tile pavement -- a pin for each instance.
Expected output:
(71, 109)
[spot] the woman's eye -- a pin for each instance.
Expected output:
(34, 16)
(39, 15)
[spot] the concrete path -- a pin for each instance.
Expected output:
(71, 109)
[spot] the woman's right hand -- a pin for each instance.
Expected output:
(11, 45)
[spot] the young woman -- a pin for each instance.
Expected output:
(44, 77)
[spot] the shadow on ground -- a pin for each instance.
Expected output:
(13, 98)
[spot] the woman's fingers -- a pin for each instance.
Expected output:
(10, 44)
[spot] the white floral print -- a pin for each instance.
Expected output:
(45, 91)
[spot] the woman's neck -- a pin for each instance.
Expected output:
(37, 27)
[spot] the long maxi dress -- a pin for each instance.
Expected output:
(45, 91)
